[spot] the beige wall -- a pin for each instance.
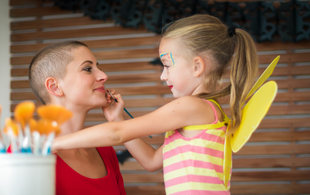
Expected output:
(5, 60)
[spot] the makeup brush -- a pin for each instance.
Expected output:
(11, 129)
(124, 108)
(53, 116)
(23, 114)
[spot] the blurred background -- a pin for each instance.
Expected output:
(124, 36)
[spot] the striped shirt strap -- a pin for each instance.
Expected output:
(210, 126)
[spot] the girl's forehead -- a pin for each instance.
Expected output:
(168, 45)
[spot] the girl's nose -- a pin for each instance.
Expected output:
(164, 75)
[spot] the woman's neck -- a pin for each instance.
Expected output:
(76, 122)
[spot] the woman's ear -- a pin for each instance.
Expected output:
(199, 66)
(52, 86)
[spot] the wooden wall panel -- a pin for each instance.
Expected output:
(53, 23)
(276, 160)
(38, 11)
(140, 41)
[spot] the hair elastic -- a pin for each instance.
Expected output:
(231, 31)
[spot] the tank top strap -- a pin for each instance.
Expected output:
(211, 126)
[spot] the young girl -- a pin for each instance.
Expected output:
(195, 52)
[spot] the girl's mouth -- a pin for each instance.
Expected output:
(170, 86)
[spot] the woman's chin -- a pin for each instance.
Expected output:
(98, 103)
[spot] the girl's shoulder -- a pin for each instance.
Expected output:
(197, 108)
(192, 102)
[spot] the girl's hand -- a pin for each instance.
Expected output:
(113, 111)
(54, 148)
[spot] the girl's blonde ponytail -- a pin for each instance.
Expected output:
(244, 67)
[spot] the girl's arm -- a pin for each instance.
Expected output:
(148, 157)
(181, 112)
(145, 154)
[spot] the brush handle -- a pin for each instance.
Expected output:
(2, 148)
(27, 140)
(47, 145)
(128, 113)
(36, 143)
(13, 141)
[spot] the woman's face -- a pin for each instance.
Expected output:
(83, 84)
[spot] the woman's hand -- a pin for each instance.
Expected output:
(113, 111)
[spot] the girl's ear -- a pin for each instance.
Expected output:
(199, 66)
(52, 86)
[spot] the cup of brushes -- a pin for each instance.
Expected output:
(30, 167)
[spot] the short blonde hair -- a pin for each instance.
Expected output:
(51, 61)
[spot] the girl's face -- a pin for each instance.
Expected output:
(83, 84)
(178, 73)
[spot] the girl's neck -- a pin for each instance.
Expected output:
(199, 89)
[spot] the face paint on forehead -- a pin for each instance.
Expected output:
(169, 56)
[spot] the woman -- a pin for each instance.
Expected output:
(66, 74)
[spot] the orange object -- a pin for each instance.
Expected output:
(24, 112)
(47, 126)
(54, 113)
(10, 124)
(33, 125)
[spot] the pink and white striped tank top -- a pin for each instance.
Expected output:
(194, 166)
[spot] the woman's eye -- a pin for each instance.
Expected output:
(165, 66)
(87, 69)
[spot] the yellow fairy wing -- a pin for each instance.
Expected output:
(266, 74)
(253, 113)
(227, 161)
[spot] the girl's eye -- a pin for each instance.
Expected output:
(87, 69)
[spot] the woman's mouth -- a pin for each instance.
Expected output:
(170, 86)
(101, 89)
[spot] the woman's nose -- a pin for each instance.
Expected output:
(164, 75)
(101, 76)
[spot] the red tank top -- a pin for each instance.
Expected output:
(69, 182)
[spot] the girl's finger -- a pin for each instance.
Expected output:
(118, 97)
(113, 91)
(109, 98)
